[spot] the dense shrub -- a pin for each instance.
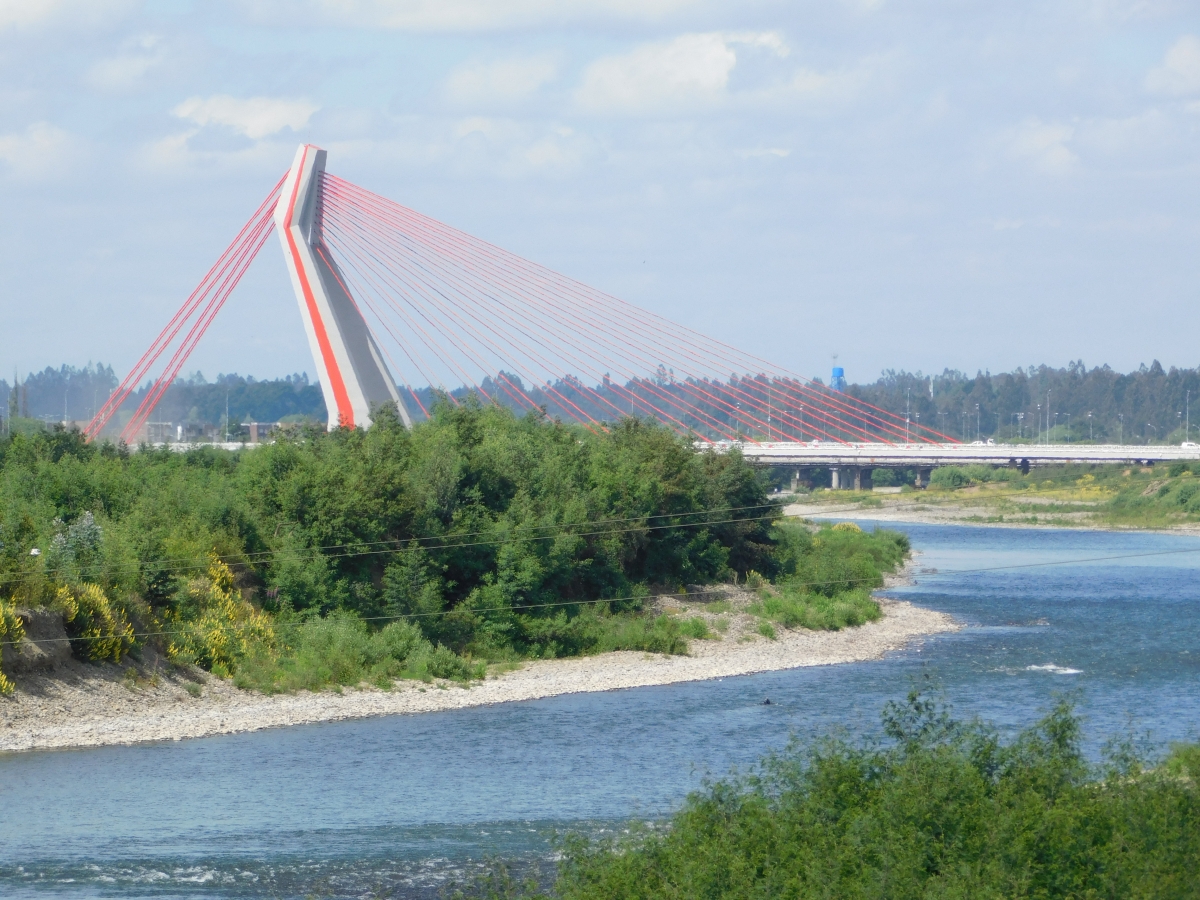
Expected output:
(834, 561)
(99, 629)
(795, 607)
(497, 536)
(942, 808)
(215, 627)
(825, 579)
(12, 632)
(339, 649)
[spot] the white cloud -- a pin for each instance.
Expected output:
(254, 117)
(1044, 144)
(37, 152)
(501, 81)
(692, 70)
(460, 15)
(33, 13)
(1179, 73)
(178, 153)
(122, 72)
(510, 148)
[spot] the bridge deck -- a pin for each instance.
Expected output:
(827, 453)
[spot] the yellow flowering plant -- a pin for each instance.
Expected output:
(99, 628)
(12, 631)
(227, 629)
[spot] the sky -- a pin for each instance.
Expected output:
(915, 185)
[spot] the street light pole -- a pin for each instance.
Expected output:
(770, 435)
(907, 412)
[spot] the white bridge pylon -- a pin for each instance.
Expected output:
(353, 375)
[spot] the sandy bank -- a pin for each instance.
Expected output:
(86, 706)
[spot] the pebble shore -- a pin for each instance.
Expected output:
(89, 706)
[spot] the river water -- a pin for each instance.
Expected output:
(403, 806)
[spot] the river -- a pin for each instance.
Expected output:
(402, 806)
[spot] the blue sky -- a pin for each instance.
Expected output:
(909, 185)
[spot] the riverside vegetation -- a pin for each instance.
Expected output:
(1097, 495)
(340, 557)
(938, 808)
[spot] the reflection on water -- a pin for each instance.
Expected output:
(397, 806)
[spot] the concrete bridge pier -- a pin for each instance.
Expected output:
(834, 479)
(922, 477)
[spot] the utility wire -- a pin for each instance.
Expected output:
(404, 545)
(938, 574)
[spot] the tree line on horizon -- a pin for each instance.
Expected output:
(73, 394)
(1150, 404)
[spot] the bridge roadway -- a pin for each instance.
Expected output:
(930, 456)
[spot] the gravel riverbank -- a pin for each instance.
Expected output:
(89, 706)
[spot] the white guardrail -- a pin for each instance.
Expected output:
(832, 453)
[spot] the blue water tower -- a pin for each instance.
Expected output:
(838, 380)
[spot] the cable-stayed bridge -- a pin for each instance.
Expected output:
(392, 299)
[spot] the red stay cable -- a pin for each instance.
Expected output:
(839, 403)
(443, 274)
(463, 284)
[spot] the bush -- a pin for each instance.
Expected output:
(12, 632)
(941, 808)
(477, 523)
(338, 649)
(949, 477)
(223, 629)
(796, 607)
(885, 477)
(1184, 762)
(98, 628)
(695, 627)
